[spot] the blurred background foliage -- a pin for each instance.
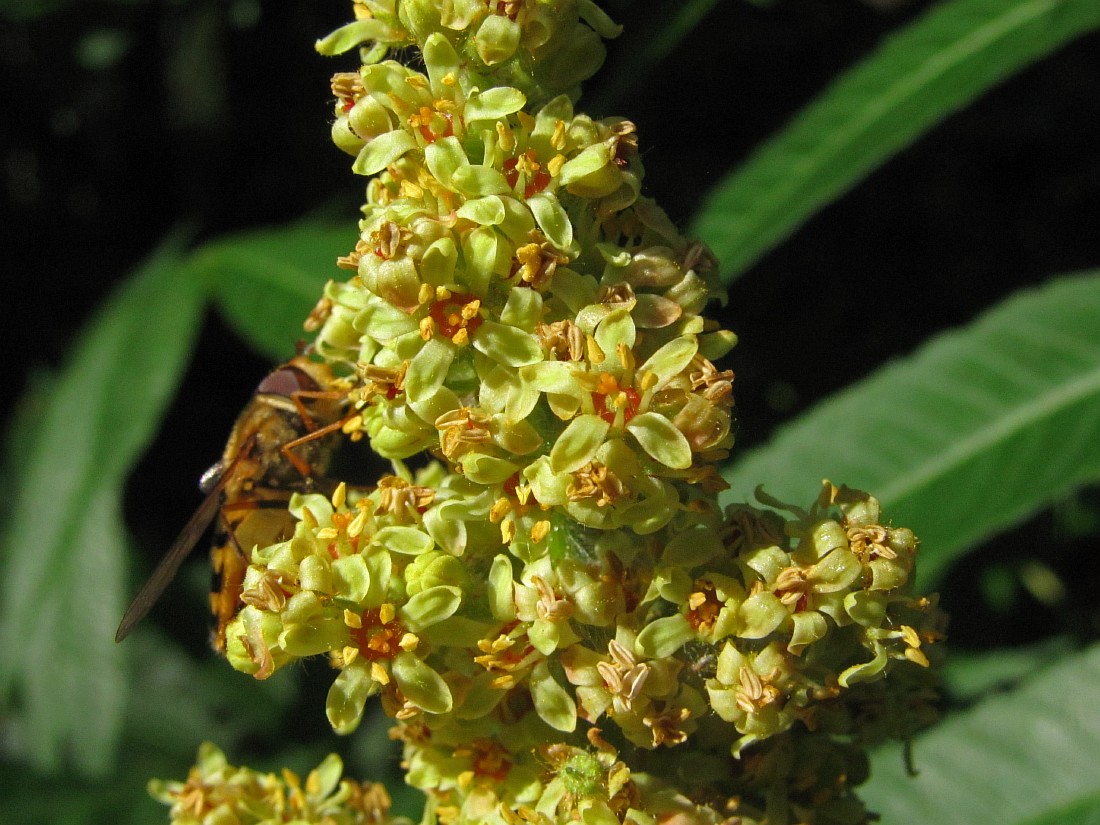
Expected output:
(199, 129)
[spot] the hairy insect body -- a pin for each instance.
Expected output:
(281, 443)
(286, 450)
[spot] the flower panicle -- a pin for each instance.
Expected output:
(554, 610)
(216, 791)
(772, 628)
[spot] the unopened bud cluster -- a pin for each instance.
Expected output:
(561, 620)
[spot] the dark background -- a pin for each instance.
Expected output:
(124, 120)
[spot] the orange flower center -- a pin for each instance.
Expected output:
(609, 398)
(537, 176)
(457, 312)
(377, 639)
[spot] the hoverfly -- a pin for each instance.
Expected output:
(281, 443)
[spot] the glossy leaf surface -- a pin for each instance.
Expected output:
(973, 432)
(64, 544)
(920, 75)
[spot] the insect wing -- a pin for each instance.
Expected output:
(185, 542)
(166, 571)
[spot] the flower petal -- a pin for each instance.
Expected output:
(508, 345)
(430, 606)
(553, 703)
(409, 541)
(493, 104)
(382, 151)
(421, 685)
(348, 696)
(671, 359)
(661, 440)
(578, 443)
(663, 637)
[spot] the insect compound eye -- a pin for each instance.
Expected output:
(286, 381)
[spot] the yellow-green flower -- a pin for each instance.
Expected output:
(216, 792)
(560, 577)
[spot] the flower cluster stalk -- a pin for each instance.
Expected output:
(559, 617)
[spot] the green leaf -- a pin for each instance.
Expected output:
(22, 425)
(182, 699)
(31, 798)
(925, 72)
(1014, 758)
(63, 546)
(975, 431)
(967, 675)
(266, 282)
(1083, 811)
